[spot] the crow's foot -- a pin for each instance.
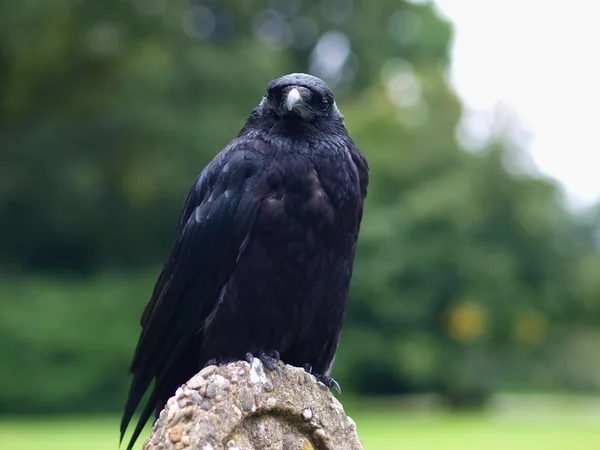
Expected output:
(329, 382)
(269, 358)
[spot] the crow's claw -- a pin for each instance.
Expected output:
(274, 354)
(269, 359)
(211, 362)
(308, 368)
(329, 382)
(269, 363)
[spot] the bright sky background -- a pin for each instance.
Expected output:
(540, 60)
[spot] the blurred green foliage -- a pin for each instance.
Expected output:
(469, 276)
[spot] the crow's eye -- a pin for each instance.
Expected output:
(324, 105)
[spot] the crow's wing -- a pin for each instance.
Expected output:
(213, 231)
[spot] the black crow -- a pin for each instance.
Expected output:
(263, 252)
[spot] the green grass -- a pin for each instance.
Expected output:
(476, 432)
(379, 430)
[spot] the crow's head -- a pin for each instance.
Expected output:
(299, 96)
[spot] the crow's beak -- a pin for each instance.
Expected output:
(295, 103)
(292, 99)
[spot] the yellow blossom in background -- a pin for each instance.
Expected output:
(466, 321)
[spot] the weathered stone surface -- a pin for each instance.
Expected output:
(236, 406)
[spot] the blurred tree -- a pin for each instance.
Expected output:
(109, 111)
(462, 264)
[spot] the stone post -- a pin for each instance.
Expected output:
(236, 406)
